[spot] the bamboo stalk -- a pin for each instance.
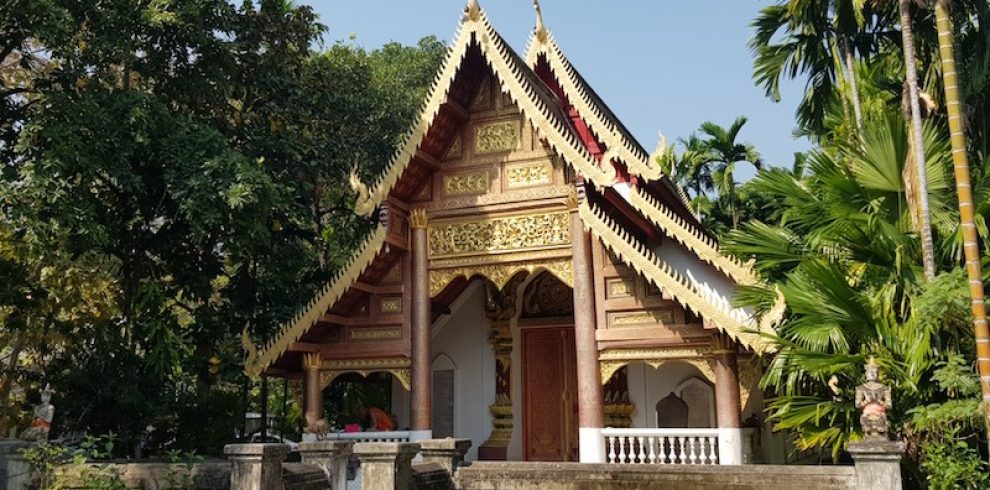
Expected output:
(960, 164)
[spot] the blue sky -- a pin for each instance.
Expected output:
(665, 65)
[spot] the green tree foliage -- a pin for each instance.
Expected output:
(840, 247)
(191, 157)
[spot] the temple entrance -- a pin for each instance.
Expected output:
(549, 394)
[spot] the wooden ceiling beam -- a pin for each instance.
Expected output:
(361, 321)
(305, 347)
(458, 110)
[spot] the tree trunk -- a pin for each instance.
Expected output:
(6, 384)
(853, 86)
(960, 163)
(927, 248)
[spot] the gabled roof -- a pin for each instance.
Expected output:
(735, 322)
(547, 114)
(533, 98)
(619, 142)
(291, 330)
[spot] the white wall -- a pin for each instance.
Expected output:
(648, 385)
(710, 280)
(462, 336)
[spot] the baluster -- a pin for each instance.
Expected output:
(642, 449)
(611, 449)
(692, 454)
(662, 441)
(653, 449)
(622, 449)
(712, 443)
(714, 449)
(681, 455)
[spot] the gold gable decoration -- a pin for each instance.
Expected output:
(510, 72)
(290, 331)
(734, 322)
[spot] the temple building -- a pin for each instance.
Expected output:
(534, 283)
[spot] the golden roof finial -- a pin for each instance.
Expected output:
(541, 30)
(473, 10)
(660, 150)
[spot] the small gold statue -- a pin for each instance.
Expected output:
(874, 399)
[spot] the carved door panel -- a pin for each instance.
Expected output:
(549, 395)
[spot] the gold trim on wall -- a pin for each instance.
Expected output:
(396, 366)
(502, 234)
(500, 274)
(376, 333)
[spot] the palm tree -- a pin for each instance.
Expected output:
(723, 153)
(911, 75)
(820, 41)
(843, 253)
(960, 163)
(689, 170)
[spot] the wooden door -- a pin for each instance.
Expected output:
(549, 394)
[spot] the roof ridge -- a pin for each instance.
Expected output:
(291, 330)
(734, 322)
(702, 245)
(621, 145)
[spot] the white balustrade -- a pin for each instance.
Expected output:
(672, 446)
(369, 436)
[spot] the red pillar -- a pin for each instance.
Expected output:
(590, 409)
(421, 369)
(727, 401)
(313, 394)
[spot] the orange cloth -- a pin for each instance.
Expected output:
(41, 423)
(379, 419)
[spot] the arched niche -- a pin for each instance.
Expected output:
(444, 395)
(500, 274)
(699, 396)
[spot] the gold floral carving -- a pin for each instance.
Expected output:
(483, 99)
(497, 136)
(500, 234)
(391, 305)
(418, 218)
(619, 287)
(527, 175)
(376, 333)
(641, 318)
(312, 360)
(397, 366)
(611, 360)
(500, 274)
(467, 183)
(455, 149)
(749, 379)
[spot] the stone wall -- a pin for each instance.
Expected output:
(207, 475)
(578, 476)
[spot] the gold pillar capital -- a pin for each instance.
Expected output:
(312, 360)
(418, 219)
